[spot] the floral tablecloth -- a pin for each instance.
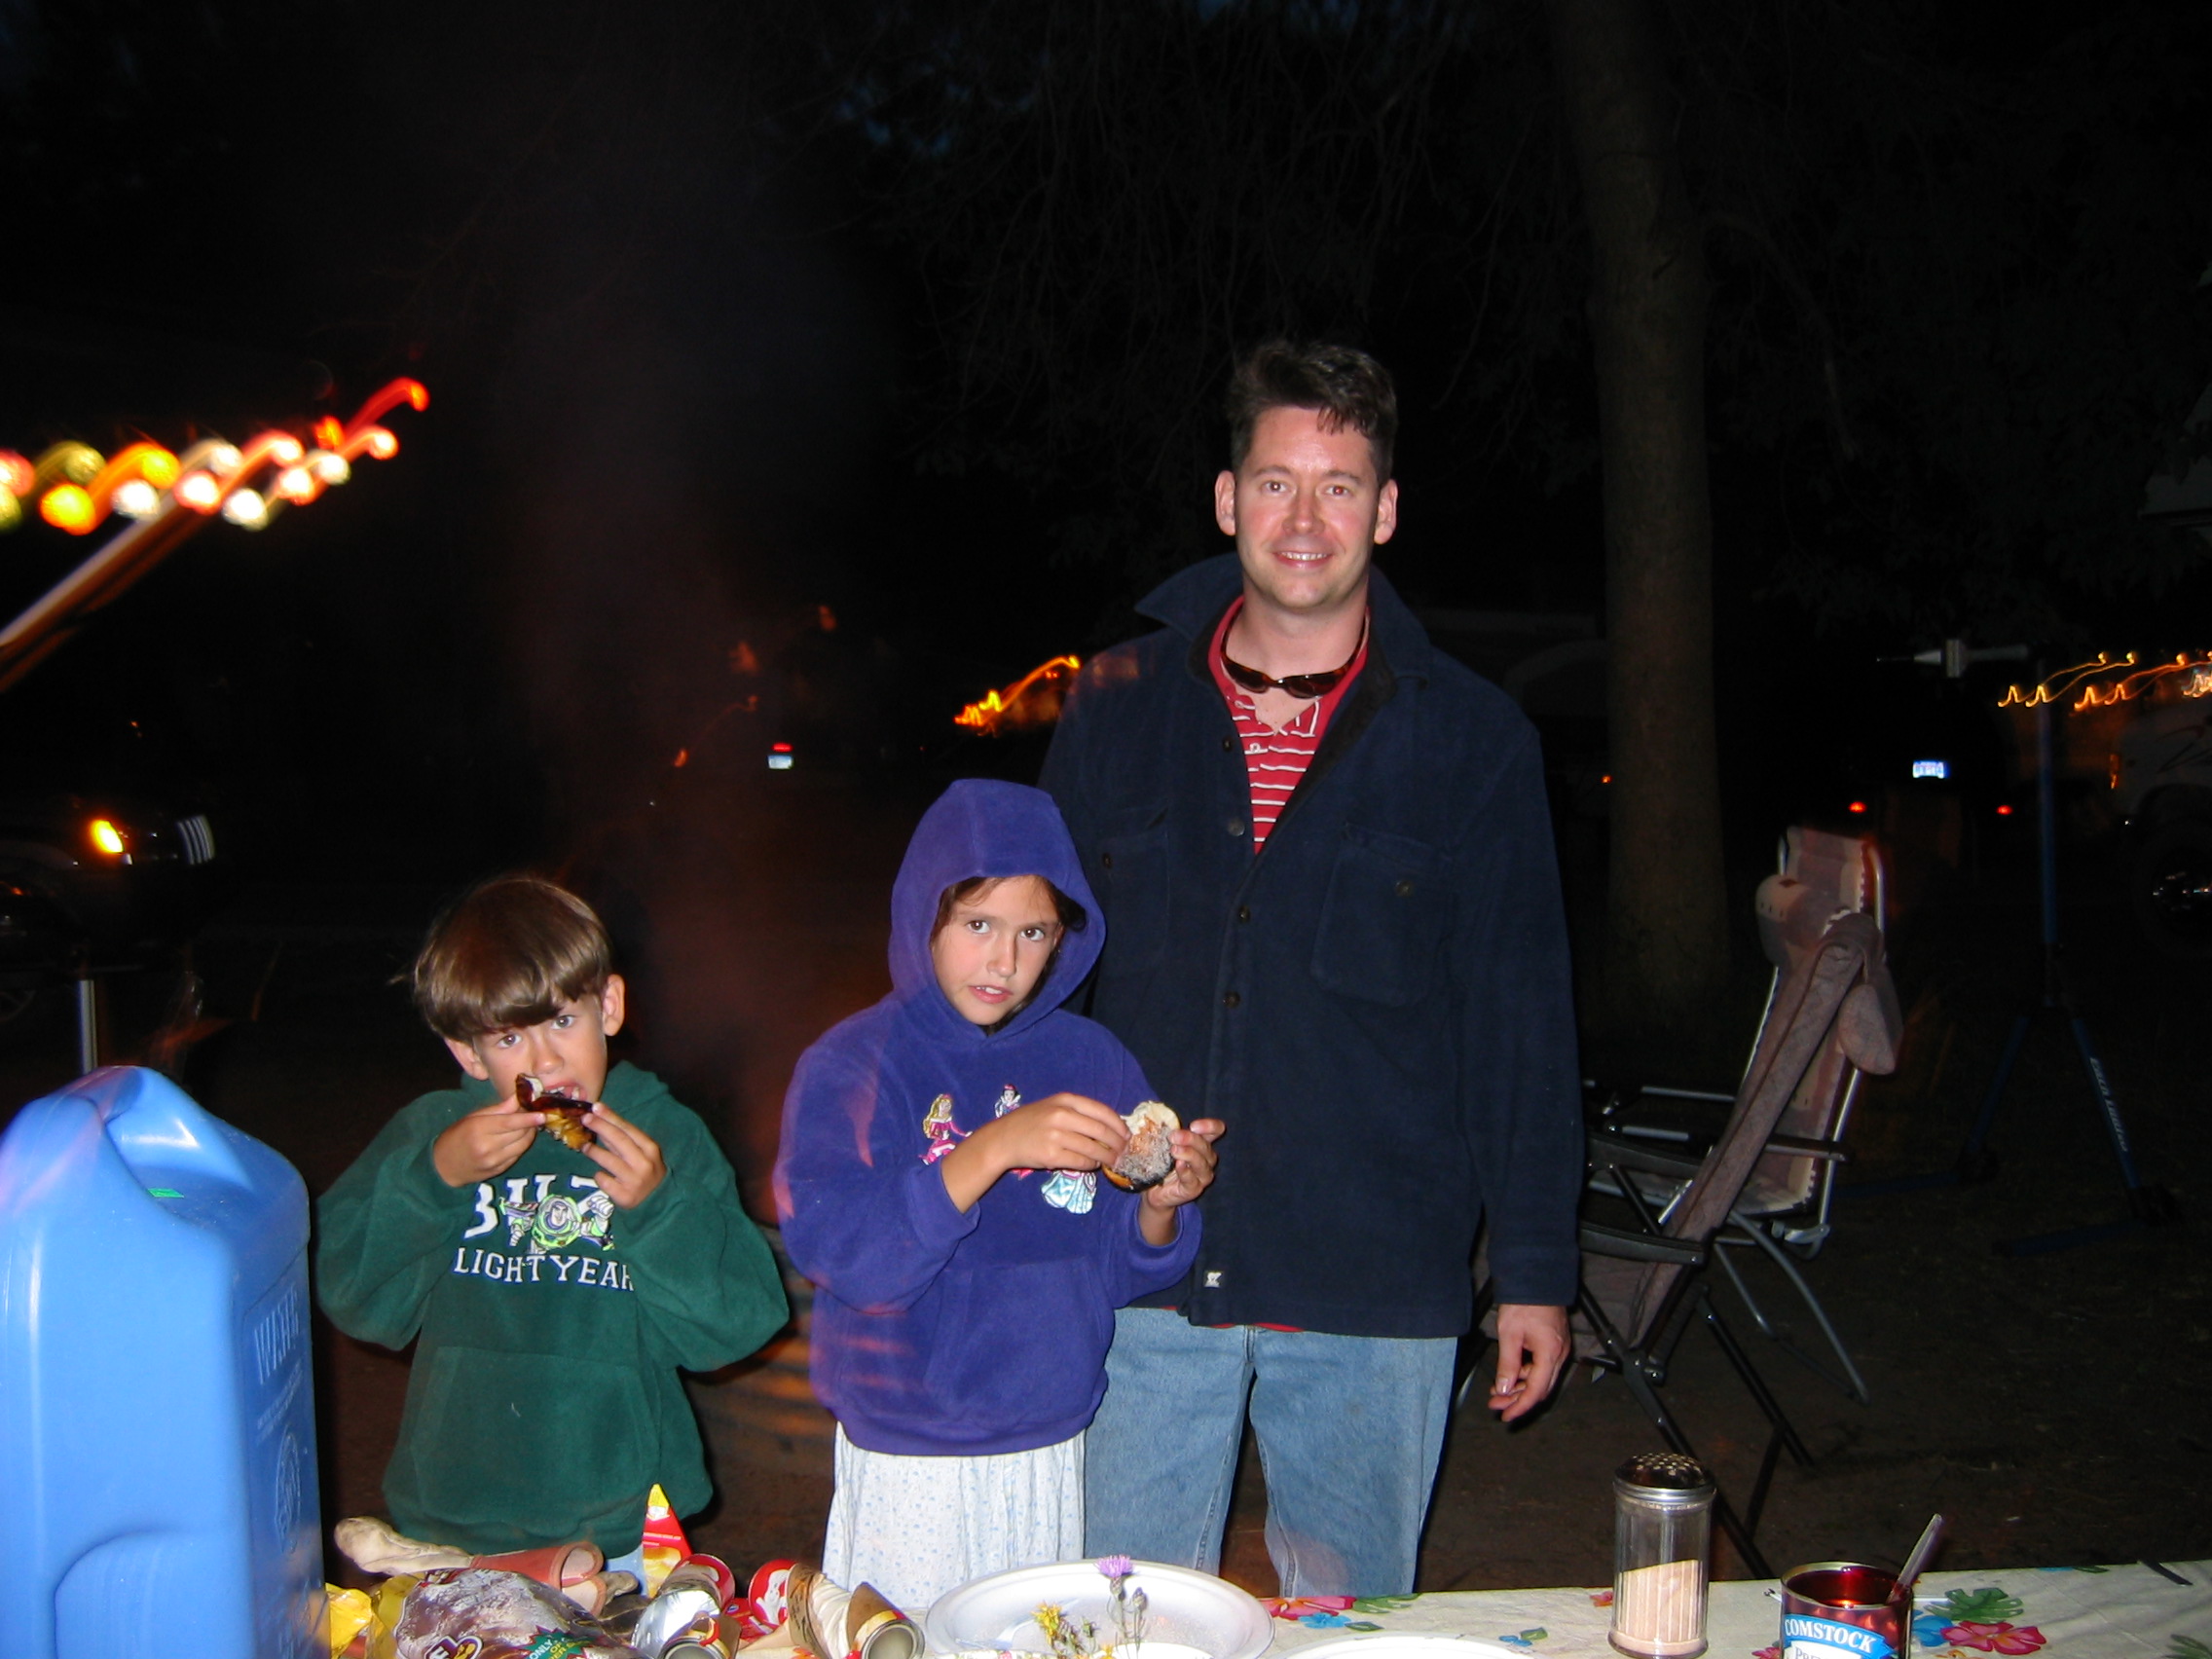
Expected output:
(2096, 1612)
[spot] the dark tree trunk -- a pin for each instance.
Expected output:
(1666, 940)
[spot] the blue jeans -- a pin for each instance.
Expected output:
(1350, 1429)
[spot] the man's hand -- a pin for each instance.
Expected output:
(1061, 1131)
(1533, 1346)
(482, 1144)
(630, 1164)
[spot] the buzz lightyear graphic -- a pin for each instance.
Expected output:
(537, 1209)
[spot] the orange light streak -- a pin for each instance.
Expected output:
(80, 511)
(412, 392)
(262, 447)
(374, 440)
(2050, 690)
(2105, 692)
(984, 716)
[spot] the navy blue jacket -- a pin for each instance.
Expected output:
(938, 1333)
(1379, 1005)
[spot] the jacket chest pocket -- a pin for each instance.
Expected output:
(1130, 875)
(1383, 919)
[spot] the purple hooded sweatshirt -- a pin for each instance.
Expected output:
(938, 1334)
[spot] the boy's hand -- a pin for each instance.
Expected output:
(1193, 1173)
(1061, 1131)
(482, 1144)
(630, 1164)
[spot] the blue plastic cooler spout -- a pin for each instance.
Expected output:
(156, 1410)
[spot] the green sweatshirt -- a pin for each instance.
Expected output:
(549, 1325)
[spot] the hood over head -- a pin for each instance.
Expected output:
(981, 826)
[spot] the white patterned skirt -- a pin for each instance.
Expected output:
(917, 1527)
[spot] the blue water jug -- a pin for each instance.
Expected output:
(157, 1412)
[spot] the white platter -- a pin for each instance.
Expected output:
(1403, 1644)
(1191, 1615)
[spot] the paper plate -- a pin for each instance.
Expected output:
(1403, 1644)
(1191, 1615)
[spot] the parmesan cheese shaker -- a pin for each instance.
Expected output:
(1662, 1525)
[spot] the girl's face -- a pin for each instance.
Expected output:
(995, 947)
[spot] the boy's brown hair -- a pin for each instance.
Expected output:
(508, 954)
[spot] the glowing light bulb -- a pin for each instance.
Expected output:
(160, 468)
(1856, 806)
(67, 506)
(198, 490)
(332, 469)
(382, 443)
(296, 483)
(246, 508)
(225, 457)
(136, 498)
(17, 476)
(107, 837)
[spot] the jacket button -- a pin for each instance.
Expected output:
(1229, 745)
(1405, 890)
(1106, 859)
(1243, 913)
(1230, 999)
(1235, 825)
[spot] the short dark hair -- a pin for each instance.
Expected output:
(509, 953)
(1343, 384)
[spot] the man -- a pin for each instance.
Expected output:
(1333, 920)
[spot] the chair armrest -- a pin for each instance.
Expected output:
(1796, 1146)
(1625, 1246)
(1624, 1153)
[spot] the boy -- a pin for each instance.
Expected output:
(552, 1293)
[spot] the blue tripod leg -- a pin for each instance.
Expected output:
(1976, 1162)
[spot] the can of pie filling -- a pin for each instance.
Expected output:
(1844, 1610)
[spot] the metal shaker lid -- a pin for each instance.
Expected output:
(1665, 1471)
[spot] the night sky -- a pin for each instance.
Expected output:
(920, 312)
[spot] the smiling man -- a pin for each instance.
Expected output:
(1333, 921)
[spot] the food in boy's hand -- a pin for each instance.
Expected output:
(563, 1116)
(1149, 1156)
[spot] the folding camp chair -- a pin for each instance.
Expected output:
(1641, 1284)
(1783, 1212)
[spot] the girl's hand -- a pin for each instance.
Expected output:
(630, 1164)
(1194, 1168)
(1061, 1131)
(482, 1144)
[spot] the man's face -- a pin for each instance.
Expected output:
(1306, 511)
(994, 948)
(566, 1053)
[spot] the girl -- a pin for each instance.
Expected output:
(938, 1182)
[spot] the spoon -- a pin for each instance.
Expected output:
(1921, 1551)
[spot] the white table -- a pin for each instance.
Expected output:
(2116, 1612)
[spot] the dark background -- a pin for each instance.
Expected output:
(920, 314)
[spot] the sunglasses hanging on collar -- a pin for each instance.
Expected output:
(1306, 686)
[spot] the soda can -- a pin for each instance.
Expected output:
(1844, 1610)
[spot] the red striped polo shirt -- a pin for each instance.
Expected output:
(1274, 760)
